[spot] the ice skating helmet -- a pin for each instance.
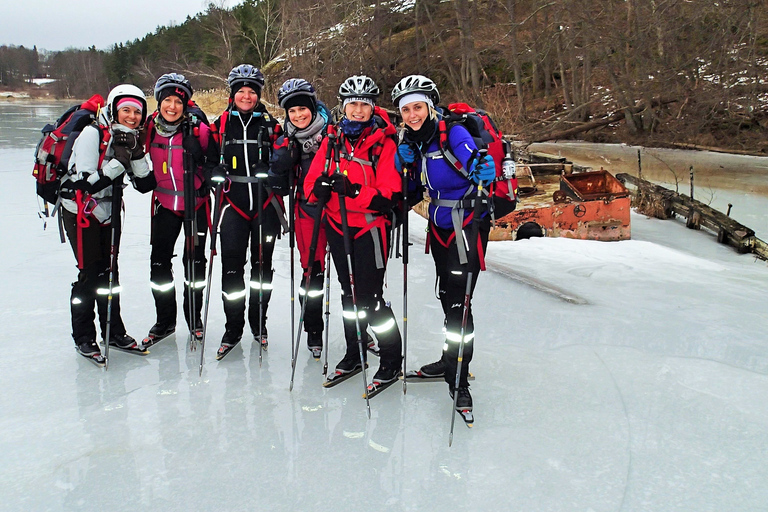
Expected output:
(245, 75)
(173, 83)
(121, 92)
(359, 87)
(294, 88)
(418, 85)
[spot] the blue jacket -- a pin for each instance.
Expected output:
(441, 180)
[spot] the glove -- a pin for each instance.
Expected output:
(79, 185)
(484, 170)
(323, 188)
(192, 147)
(405, 156)
(130, 141)
(122, 154)
(344, 187)
(219, 174)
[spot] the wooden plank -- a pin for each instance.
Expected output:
(697, 214)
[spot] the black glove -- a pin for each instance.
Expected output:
(344, 187)
(382, 204)
(122, 154)
(130, 141)
(192, 147)
(323, 188)
(80, 185)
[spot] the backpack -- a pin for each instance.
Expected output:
(55, 147)
(488, 138)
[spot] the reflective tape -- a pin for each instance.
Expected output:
(264, 286)
(456, 337)
(234, 295)
(383, 327)
(76, 301)
(161, 287)
(312, 293)
(456, 272)
(197, 285)
(350, 315)
(105, 291)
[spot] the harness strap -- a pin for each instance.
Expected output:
(165, 146)
(243, 179)
(170, 192)
(457, 216)
(243, 142)
(369, 218)
(453, 203)
(280, 212)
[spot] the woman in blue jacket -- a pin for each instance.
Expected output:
(457, 248)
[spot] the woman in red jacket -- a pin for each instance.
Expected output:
(360, 166)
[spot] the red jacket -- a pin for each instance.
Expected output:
(374, 144)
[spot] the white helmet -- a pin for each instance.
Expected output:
(123, 91)
(412, 84)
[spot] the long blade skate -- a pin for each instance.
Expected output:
(97, 359)
(418, 376)
(374, 388)
(338, 377)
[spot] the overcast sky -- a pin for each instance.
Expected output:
(56, 24)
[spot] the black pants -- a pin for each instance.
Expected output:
(236, 233)
(90, 291)
(451, 290)
(369, 284)
(166, 227)
(313, 313)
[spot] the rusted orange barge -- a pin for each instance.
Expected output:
(589, 205)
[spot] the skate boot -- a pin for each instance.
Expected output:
(228, 342)
(158, 333)
(315, 344)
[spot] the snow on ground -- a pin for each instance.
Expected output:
(610, 376)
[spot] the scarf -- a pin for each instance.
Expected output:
(353, 129)
(308, 138)
(424, 135)
(166, 129)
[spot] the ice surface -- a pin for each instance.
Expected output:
(645, 394)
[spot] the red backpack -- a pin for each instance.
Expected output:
(487, 137)
(55, 147)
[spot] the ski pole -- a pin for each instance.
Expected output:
(327, 307)
(467, 299)
(190, 233)
(291, 245)
(312, 250)
(117, 199)
(348, 253)
(260, 206)
(214, 233)
(405, 266)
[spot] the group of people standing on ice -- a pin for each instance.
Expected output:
(345, 183)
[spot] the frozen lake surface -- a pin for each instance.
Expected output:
(624, 376)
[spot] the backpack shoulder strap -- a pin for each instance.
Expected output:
(445, 149)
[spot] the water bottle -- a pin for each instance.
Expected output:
(508, 167)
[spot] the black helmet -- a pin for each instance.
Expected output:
(358, 86)
(245, 75)
(295, 87)
(415, 84)
(173, 81)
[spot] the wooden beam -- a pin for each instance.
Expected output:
(697, 215)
